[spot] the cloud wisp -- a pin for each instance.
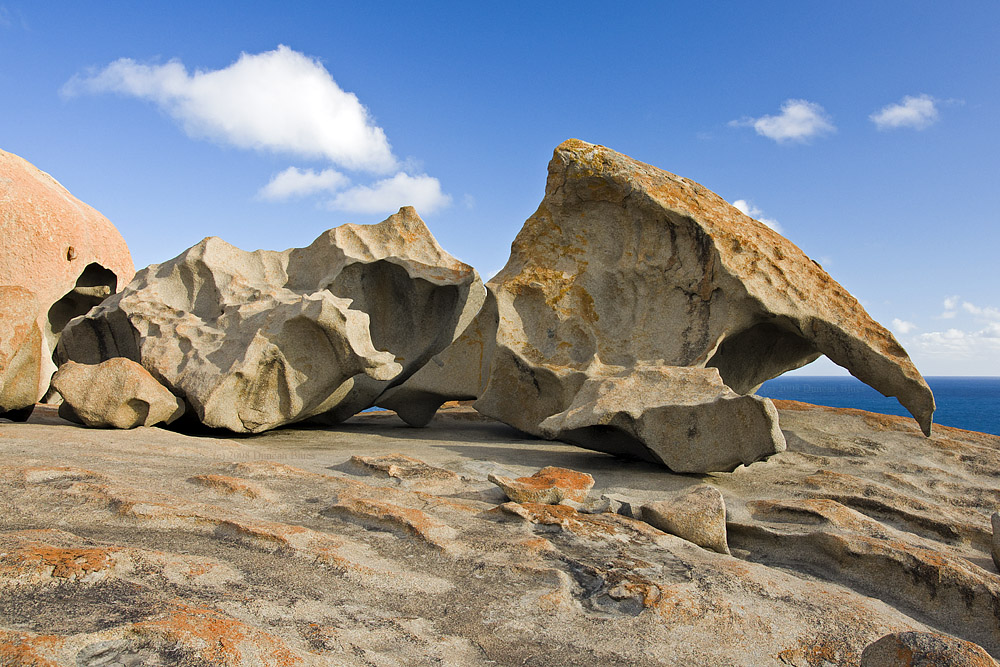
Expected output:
(422, 192)
(746, 208)
(283, 102)
(918, 113)
(799, 121)
(294, 182)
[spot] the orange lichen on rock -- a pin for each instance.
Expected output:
(548, 486)
(217, 639)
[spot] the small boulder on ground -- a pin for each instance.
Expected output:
(117, 393)
(924, 649)
(698, 516)
(548, 486)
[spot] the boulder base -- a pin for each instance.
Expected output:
(117, 393)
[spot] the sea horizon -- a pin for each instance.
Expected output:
(970, 402)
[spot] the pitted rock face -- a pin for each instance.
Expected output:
(254, 340)
(66, 254)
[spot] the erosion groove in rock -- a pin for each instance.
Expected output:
(59, 258)
(367, 545)
(255, 340)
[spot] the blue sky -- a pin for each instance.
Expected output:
(868, 132)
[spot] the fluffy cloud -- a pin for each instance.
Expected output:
(902, 327)
(749, 209)
(386, 196)
(916, 112)
(281, 101)
(799, 120)
(294, 182)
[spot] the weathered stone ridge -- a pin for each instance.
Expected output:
(254, 340)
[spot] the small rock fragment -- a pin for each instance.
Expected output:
(698, 516)
(623, 505)
(924, 649)
(118, 393)
(548, 486)
(996, 539)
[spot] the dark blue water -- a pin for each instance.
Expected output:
(966, 402)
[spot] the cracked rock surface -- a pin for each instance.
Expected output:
(377, 544)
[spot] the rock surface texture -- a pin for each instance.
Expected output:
(255, 340)
(625, 268)
(117, 393)
(924, 649)
(58, 258)
(152, 547)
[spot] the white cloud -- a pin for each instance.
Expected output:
(281, 100)
(294, 182)
(916, 112)
(799, 120)
(749, 209)
(386, 196)
(902, 327)
(988, 312)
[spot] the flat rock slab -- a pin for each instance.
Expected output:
(152, 546)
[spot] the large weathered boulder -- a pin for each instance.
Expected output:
(59, 258)
(625, 266)
(117, 393)
(254, 340)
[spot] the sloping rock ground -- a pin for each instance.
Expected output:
(152, 547)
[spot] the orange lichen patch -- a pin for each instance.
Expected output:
(232, 486)
(22, 649)
(797, 406)
(387, 516)
(550, 485)
(401, 466)
(42, 561)
(217, 639)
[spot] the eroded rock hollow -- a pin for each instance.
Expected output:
(255, 340)
(58, 258)
(625, 266)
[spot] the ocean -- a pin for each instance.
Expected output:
(971, 403)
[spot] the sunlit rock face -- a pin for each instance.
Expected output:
(625, 266)
(254, 340)
(58, 258)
